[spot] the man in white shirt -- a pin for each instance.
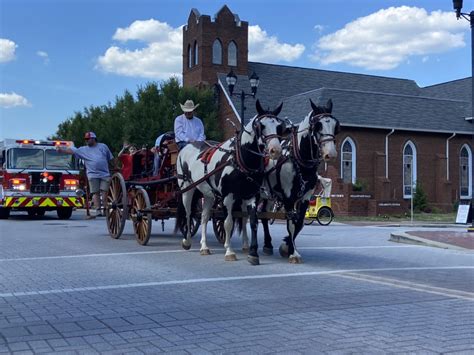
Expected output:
(187, 127)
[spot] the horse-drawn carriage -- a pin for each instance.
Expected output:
(222, 182)
(141, 192)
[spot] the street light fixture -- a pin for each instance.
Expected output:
(457, 5)
(231, 80)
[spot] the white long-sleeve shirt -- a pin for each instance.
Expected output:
(188, 130)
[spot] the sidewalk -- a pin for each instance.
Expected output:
(460, 240)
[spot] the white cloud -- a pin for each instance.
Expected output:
(318, 28)
(389, 37)
(12, 100)
(43, 55)
(7, 50)
(160, 59)
(263, 47)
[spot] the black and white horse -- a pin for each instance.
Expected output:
(294, 176)
(237, 169)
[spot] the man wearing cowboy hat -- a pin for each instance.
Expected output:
(187, 127)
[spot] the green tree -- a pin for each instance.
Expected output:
(140, 119)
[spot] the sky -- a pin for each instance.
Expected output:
(59, 56)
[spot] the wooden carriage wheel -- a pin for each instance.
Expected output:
(116, 205)
(141, 220)
(219, 230)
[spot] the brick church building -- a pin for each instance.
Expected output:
(393, 131)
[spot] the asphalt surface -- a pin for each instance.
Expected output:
(66, 287)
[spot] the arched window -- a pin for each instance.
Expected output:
(217, 52)
(232, 54)
(196, 54)
(465, 172)
(190, 57)
(348, 161)
(409, 169)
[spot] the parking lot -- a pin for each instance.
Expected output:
(66, 286)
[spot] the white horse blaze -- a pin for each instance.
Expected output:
(274, 148)
(328, 148)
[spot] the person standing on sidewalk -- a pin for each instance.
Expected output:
(96, 157)
(187, 127)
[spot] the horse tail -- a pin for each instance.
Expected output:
(181, 210)
(180, 215)
(239, 224)
(238, 221)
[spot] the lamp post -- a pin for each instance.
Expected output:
(231, 80)
(457, 5)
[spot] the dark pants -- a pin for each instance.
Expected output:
(181, 144)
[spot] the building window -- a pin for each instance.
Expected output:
(190, 57)
(465, 173)
(232, 54)
(409, 169)
(217, 52)
(196, 54)
(348, 161)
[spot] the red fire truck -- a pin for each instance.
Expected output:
(35, 177)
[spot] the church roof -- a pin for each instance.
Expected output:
(359, 100)
(457, 89)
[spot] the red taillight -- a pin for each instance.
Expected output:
(50, 177)
(312, 202)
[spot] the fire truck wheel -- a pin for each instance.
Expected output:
(64, 213)
(4, 213)
(31, 213)
(40, 213)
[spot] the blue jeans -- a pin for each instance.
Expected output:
(156, 164)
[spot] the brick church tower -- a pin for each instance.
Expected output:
(213, 46)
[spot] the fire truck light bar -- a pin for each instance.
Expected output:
(47, 143)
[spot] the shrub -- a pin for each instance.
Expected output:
(420, 201)
(359, 185)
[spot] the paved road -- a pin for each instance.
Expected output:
(65, 286)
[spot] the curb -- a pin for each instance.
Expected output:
(402, 237)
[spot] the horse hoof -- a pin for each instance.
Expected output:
(205, 251)
(267, 251)
(245, 250)
(231, 257)
(283, 250)
(253, 260)
(295, 260)
(185, 245)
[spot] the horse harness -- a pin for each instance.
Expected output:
(236, 159)
(295, 154)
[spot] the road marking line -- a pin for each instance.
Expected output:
(182, 251)
(410, 285)
(226, 279)
(94, 255)
(362, 247)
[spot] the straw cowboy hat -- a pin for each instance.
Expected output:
(189, 106)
